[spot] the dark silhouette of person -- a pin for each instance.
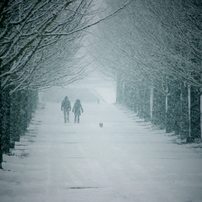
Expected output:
(77, 109)
(66, 107)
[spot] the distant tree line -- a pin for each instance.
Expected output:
(153, 49)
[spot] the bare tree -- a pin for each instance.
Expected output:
(155, 47)
(31, 37)
(154, 39)
(39, 42)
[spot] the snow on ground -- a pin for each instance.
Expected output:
(125, 160)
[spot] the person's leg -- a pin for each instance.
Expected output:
(68, 116)
(78, 119)
(65, 119)
(75, 118)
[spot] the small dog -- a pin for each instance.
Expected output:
(101, 125)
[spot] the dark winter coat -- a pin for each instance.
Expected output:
(66, 105)
(77, 109)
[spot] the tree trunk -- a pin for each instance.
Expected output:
(195, 113)
(189, 110)
(159, 109)
(201, 116)
(151, 102)
(5, 122)
(184, 117)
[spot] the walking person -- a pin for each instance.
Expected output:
(66, 108)
(77, 109)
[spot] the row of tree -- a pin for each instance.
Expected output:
(16, 113)
(178, 111)
(40, 43)
(37, 41)
(153, 49)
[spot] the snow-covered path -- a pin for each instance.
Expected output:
(125, 160)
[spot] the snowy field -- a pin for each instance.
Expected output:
(125, 160)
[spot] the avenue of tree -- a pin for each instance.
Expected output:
(39, 48)
(152, 48)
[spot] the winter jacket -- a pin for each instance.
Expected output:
(66, 105)
(77, 109)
